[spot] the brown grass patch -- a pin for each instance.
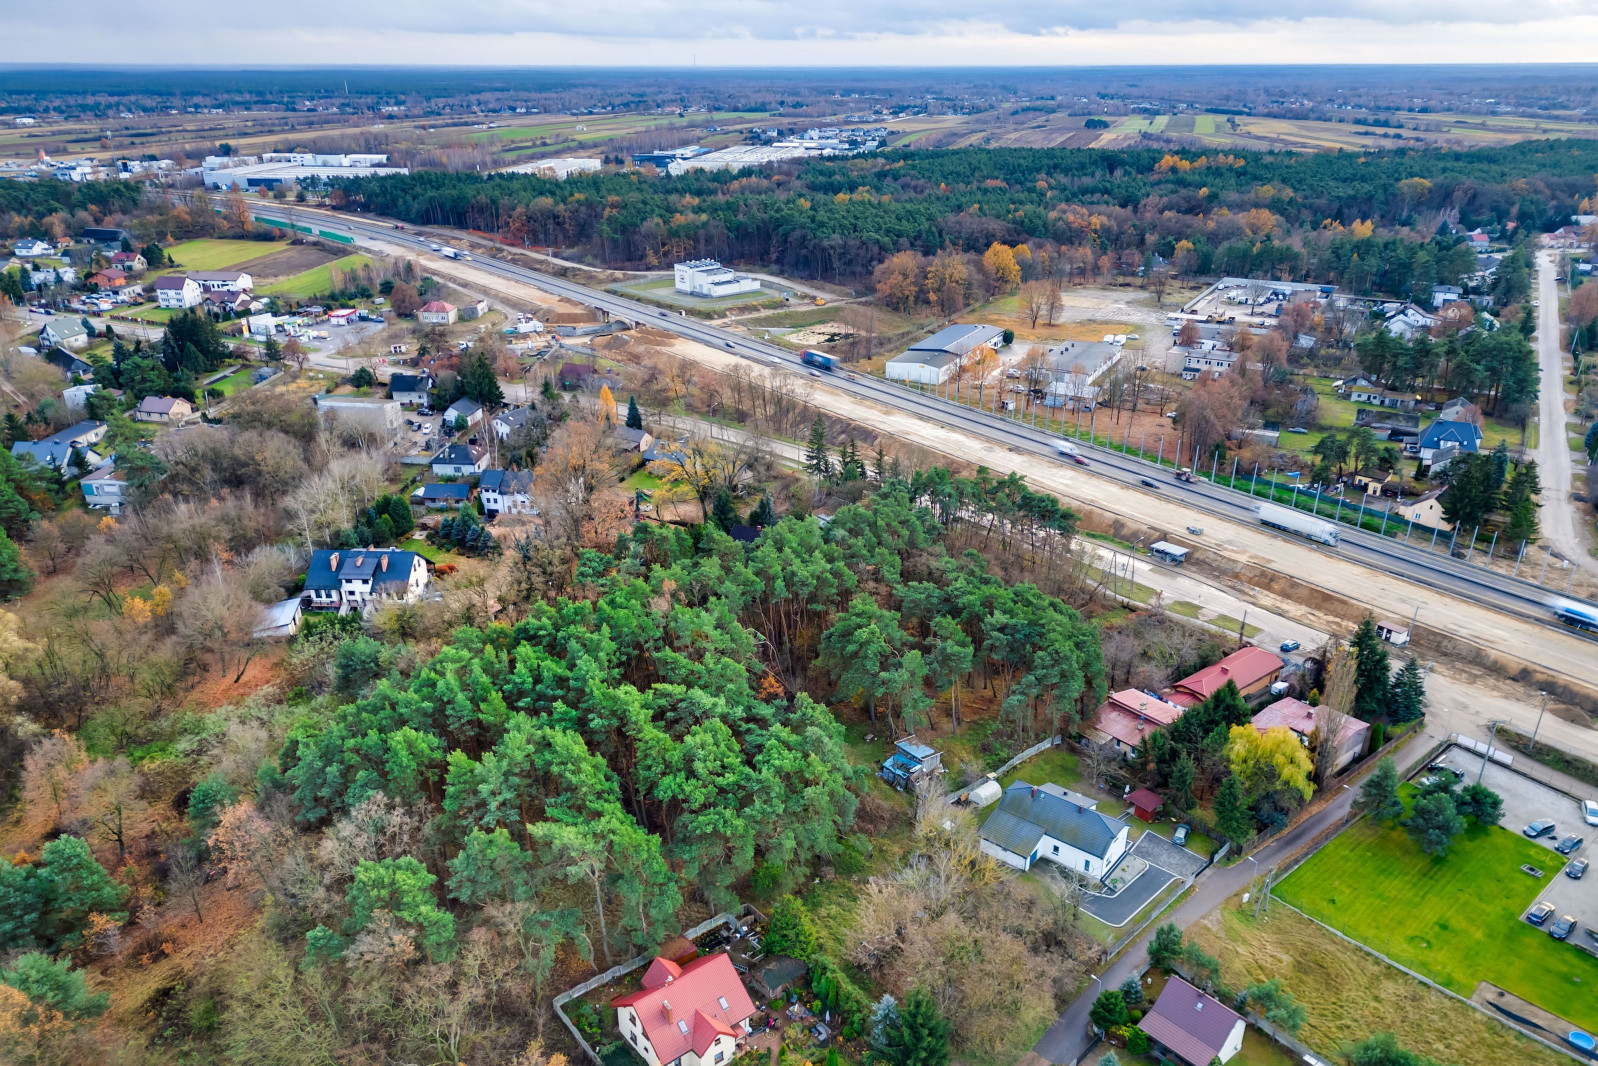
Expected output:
(1350, 994)
(286, 262)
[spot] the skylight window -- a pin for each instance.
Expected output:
(682, 1026)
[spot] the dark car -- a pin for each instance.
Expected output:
(729, 344)
(1147, 483)
(1569, 844)
(1563, 926)
(1540, 913)
(1078, 460)
(1576, 870)
(1542, 827)
(1179, 836)
(1290, 645)
(1439, 768)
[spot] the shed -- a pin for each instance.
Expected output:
(1145, 804)
(281, 619)
(988, 791)
(1167, 552)
(1393, 632)
(774, 975)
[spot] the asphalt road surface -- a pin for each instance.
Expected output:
(1439, 572)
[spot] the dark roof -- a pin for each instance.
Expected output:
(329, 567)
(506, 482)
(464, 406)
(746, 534)
(1026, 813)
(1144, 800)
(439, 491)
(172, 281)
(1191, 1024)
(575, 371)
(410, 383)
(1440, 432)
(515, 417)
(455, 455)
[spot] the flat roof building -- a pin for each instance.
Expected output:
(934, 360)
(708, 278)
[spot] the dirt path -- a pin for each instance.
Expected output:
(1563, 526)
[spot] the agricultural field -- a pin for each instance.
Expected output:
(315, 280)
(1455, 919)
(216, 254)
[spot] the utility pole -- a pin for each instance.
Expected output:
(1540, 711)
(1491, 737)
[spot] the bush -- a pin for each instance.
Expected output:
(1137, 1041)
(1109, 1010)
(791, 932)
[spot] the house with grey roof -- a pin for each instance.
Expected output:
(507, 492)
(411, 388)
(55, 451)
(934, 360)
(1034, 822)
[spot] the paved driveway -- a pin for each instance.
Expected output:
(1158, 851)
(1119, 909)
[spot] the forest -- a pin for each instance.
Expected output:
(1351, 218)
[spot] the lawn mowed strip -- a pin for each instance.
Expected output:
(218, 254)
(314, 282)
(1455, 919)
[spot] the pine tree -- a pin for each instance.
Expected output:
(1378, 796)
(1372, 672)
(921, 1037)
(635, 418)
(722, 513)
(790, 931)
(817, 461)
(1166, 947)
(1233, 819)
(1409, 693)
(765, 513)
(1179, 785)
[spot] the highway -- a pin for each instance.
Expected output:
(1435, 571)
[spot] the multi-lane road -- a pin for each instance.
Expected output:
(1385, 554)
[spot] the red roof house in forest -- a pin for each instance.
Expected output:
(689, 1015)
(1251, 669)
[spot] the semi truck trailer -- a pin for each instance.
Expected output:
(1291, 521)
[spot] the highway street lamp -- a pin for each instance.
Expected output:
(1540, 711)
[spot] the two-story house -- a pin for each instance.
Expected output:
(163, 409)
(509, 421)
(55, 451)
(223, 280)
(64, 333)
(506, 492)
(105, 490)
(177, 292)
(351, 579)
(411, 389)
(690, 1015)
(469, 410)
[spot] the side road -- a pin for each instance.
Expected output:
(1067, 1040)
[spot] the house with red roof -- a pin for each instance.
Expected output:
(1193, 1027)
(1301, 718)
(692, 1014)
(1127, 717)
(1251, 669)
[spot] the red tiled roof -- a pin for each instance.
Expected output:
(1191, 1024)
(1300, 718)
(695, 995)
(1130, 715)
(433, 307)
(1246, 666)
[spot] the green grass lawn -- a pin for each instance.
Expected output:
(234, 382)
(315, 281)
(152, 313)
(218, 254)
(1455, 919)
(1057, 766)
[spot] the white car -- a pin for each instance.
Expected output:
(1589, 812)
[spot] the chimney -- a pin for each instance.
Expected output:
(332, 563)
(1034, 792)
(384, 563)
(665, 1005)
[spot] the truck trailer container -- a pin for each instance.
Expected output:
(819, 360)
(1285, 518)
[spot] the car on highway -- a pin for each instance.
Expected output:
(1542, 827)
(815, 373)
(728, 343)
(1078, 460)
(1289, 645)
(1148, 483)
(775, 361)
(1562, 927)
(663, 314)
(1577, 869)
(1568, 845)
(1589, 812)
(1179, 835)
(1540, 913)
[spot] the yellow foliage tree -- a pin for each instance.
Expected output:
(136, 610)
(160, 600)
(107, 524)
(1270, 761)
(607, 404)
(15, 652)
(1363, 227)
(999, 260)
(1259, 222)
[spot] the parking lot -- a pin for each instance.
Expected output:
(1526, 801)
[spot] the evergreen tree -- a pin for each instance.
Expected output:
(1132, 991)
(1433, 823)
(399, 513)
(764, 514)
(1409, 692)
(921, 1037)
(790, 931)
(1166, 947)
(817, 461)
(1372, 680)
(1233, 819)
(54, 984)
(1179, 783)
(635, 418)
(1378, 796)
(1481, 803)
(722, 512)
(206, 803)
(478, 380)
(15, 577)
(1109, 1010)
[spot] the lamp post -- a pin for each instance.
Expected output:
(1490, 738)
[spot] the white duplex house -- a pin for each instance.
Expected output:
(178, 292)
(1034, 822)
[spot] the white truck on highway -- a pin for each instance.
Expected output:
(1065, 448)
(1285, 518)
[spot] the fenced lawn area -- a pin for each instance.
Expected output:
(1456, 920)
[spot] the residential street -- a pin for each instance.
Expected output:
(1067, 1040)
(1562, 526)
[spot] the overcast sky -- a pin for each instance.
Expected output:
(675, 33)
